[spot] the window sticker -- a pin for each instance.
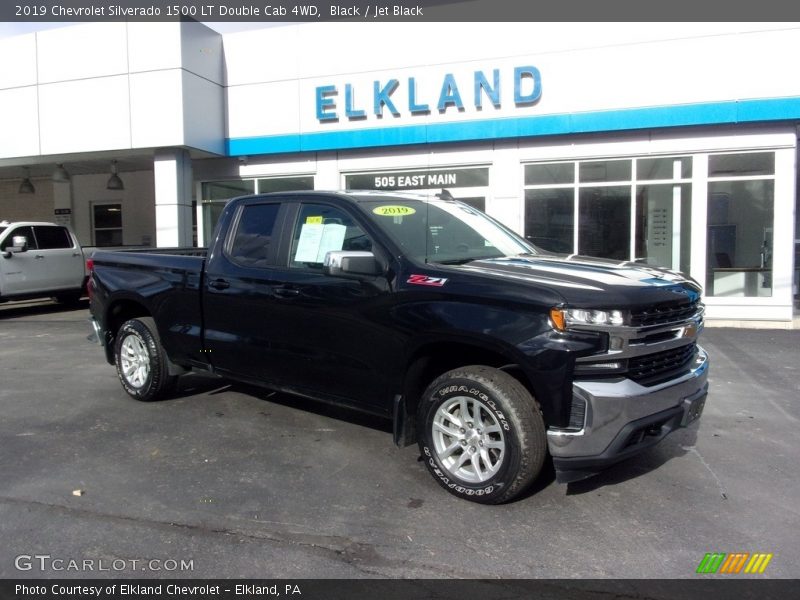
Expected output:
(314, 220)
(393, 210)
(316, 240)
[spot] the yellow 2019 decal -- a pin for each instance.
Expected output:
(393, 211)
(313, 220)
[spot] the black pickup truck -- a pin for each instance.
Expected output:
(487, 351)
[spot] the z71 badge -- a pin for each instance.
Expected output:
(425, 280)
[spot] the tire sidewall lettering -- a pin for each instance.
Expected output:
(446, 391)
(454, 486)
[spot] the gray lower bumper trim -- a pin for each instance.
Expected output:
(611, 405)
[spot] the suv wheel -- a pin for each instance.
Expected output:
(482, 434)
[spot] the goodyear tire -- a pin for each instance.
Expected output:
(141, 362)
(482, 436)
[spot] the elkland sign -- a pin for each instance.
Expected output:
(390, 96)
(378, 111)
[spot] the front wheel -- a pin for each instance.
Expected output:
(482, 434)
(141, 361)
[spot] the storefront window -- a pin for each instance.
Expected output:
(550, 173)
(550, 219)
(225, 190)
(107, 224)
(605, 222)
(739, 165)
(657, 190)
(215, 194)
(740, 225)
(596, 171)
(663, 168)
(285, 184)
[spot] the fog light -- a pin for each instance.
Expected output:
(598, 366)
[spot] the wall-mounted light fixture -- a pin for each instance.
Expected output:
(114, 182)
(26, 187)
(60, 175)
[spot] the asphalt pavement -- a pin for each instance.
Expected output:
(231, 481)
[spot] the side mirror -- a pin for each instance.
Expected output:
(19, 243)
(352, 264)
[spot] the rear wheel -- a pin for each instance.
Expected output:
(483, 437)
(141, 362)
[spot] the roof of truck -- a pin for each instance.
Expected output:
(10, 223)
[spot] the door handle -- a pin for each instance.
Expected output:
(286, 292)
(219, 284)
(38, 256)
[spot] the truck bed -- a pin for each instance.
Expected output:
(168, 281)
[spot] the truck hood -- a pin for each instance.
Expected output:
(586, 282)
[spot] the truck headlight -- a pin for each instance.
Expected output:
(562, 318)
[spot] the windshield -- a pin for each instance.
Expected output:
(2, 229)
(443, 231)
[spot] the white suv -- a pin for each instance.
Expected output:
(40, 259)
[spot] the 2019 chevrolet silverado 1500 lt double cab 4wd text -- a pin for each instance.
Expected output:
(40, 259)
(480, 347)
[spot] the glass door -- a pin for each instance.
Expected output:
(663, 225)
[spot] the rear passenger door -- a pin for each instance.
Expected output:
(62, 259)
(238, 292)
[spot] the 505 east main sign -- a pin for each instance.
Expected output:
(388, 96)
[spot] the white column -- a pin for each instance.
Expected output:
(328, 176)
(62, 203)
(699, 219)
(677, 171)
(504, 200)
(782, 239)
(172, 169)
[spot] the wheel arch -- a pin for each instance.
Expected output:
(431, 360)
(119, 311)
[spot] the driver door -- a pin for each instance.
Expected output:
(23, 272)
(328, 330)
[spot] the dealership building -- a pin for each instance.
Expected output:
(668, 144)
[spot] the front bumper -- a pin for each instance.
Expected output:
(623, 418)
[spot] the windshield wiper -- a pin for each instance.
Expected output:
(463, 261)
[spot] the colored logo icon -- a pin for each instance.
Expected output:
(734, 563)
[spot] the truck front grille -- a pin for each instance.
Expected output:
(661, 366)
(663, 313)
